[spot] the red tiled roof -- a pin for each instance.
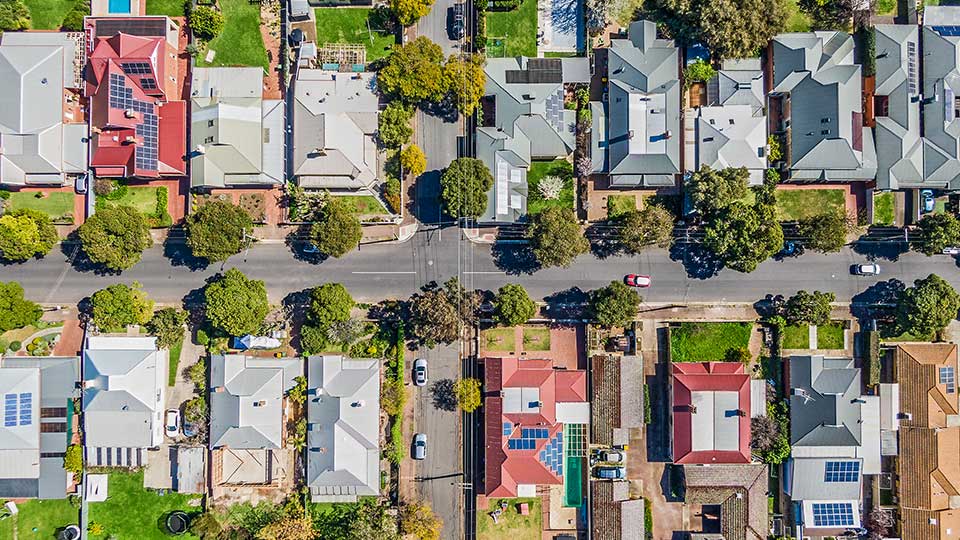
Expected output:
(708, 377)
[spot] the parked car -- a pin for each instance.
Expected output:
(172, 422)
(953, 250)
(869, 269)
(420, 446)
(927, 201)
(637, 280)
(310, 248)
(455, 22)
(610, 473)
(189, 429)
(80, 184)
(611, 456)
(420, 372)
(789, 249)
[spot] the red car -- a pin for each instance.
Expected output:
(637, 280)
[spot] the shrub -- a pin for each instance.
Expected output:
(698, 71)
(73, 22)
(550, 187)
(206, 23)
(774, 151)
(73, 459)
(872, 339)
(396, 450)
(647, 407)
(202, 337)
(391, 193)
(298, 394)
(14, 15)
(15, 346)
(197, 373)
(393, 396)
(4, 194)
(195, 410)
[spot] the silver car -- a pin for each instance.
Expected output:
(420, 372)
(420, 446)
(869, 269)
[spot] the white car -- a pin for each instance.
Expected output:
(172, 422)
(420, 372)
(953, 250)
(869, 269)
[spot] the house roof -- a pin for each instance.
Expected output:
(124, 380)
(711, 413)
(824, 402)
(524, 438)
(246, 400)
(731, 136)
(20, 432)
(807, 479)
(739, 82)
(614, 516)
(900, 148)
(741, 492)
(941, 81)
(343, 434)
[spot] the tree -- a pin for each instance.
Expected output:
(652, 226)
(115, 237)
(218, 230)
(744, 235)
(206, 526)
(15, 310)
(827, 232)
(438, 314)
(699, 71)
(346, 332)
(236, 305)
(26, 233)
(413, 73)
(205, 22)
(167, 326)
(418, 520)
(338, 230)
(73, 21)
(879, 523)
(764, 432)
(928, 307)
(614, 305)
(14, 15)
(464, 186)
(409, 12)
(556, 238)
(550, 187)
(711, 190)
(740, 355)
(513, 306)
(938, 231)
(466, 80)
(290, 527)
(829, 14)
(329, 302)
(413, 160)
(119, 306)
(805, 307)
(393, 125)
(393, 395)
(468, 394)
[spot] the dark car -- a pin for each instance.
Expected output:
(455, 22)
(610, 473)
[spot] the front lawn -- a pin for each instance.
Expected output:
(364, 205)
(240, 43)
(174, 363)
(49, 14)
(131, 511)
(708, 341)
(540, 170)
(883, 209)
(150, 201)
(40, 519)
(170, 8)
(536, 338)
(499, 339)
(56, 204)
(352, 25)
(830, 336)
(617, 205)
(796, 337)
(518, 28)
(510, 524)
(796, 204)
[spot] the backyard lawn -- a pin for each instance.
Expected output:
(617, 205)
(170, 8)
(44, 516)
(536, 338)
(131, 511)
(510, 524)
(703, 342)
(542, 169)
(499, 339)
(364, 205)
(517, 27)
(350, 25)
(240, 43)
(883, 208)
(49, 14)
(55, 204)
(795, 204)
(796, 337)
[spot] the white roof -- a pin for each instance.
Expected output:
(521, 400)
(715, 424)
(96, 488)
(20, 442)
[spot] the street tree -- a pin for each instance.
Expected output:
(830, 14)
(513, 306)
(744, 235)
(167, 325)
(120, 305)
(217, 230)
(464, 186)
(288, 527)
(330, 302)
(556, 238)
(440, 313)
(468, 394)
(938, 231)
(810, 308)
(614, 305)
(413, 73)
(408, 12)
(418, 521)
(15, 310)
(713, 189)
(466, 81)
(827, 231)
(652, 226)
(338, 230)
(26, 233)
(413, 160)
(393, 125)
(729, 28)
(115, 237)
(928, 307)
(236, 305)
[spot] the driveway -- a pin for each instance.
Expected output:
(183, 389)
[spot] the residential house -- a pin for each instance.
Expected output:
(636, 134)
(530, 408)
(835, 440)
(236, 136)
(137, 117)
(815, 107)
(43, 135)
(334, 131)
(523, 119)
(38, 394)
(616, 407)
(929, 473)
(124, 386)
(729, 500)
(343, 430)
(613, 514)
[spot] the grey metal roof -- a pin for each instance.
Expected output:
(732, 136)
(740, 82)
(507, 198)
(825, 404)
(343, 411)
(807, 476)
(941, 85)
(20, 443)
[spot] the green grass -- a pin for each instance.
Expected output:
(883, 209)
(144, 199)
(171, 8)
(830, 336)
(797, 21)
(536, 338)
(44, 516)
(710, 341)
(174, 363)
(795, 337)
(349, 25)
(886, 7)
(364, 205)
(49, 14)
(617, 205)
(795, 204)
(540, 170)
(499, 339)
(511, 524)
(519, 27)
(131, 511)
(55, 204)
(240, 43)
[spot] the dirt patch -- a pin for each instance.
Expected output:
(270, 32)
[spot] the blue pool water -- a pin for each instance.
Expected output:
(119, 6)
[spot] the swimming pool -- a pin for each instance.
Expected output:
(119, 6)
(574, 452)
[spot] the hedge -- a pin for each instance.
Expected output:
(872, 339)
(647, 408)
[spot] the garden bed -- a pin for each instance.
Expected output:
(56, 204)
(708, 341)
(254, 204)
(542, 169)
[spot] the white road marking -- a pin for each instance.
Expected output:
(375, 273)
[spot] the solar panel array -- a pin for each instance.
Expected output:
(552, 454)
(135, 26)
(947, 31)
(832, 515)
(948, 378)
(842, 471)
(121, 97)
(136, 68)
(148, 84)
(17, 409)
(554, 109)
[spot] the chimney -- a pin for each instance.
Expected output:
(667, 134)
(129, 113)
(692, 409)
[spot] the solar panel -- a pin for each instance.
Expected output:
(10, 410)
(135, 26)
(947, 31)
(136, 68)
(148, 84)
(832, 515)
(26, 409)
(948, 378)
(842, 471)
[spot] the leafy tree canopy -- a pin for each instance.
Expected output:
(329, 303)
(928, 307)
(614, 305)
(167, 326)
(393, 126)
(729, 28)
(413, 160)
(652, 226)
(120, 305)
(513, 305)
(413, 72)
(810, 308)
(338, 231)
(744, 235)
(827, 232)
(409, 12)
(419, 521)
(218, 230)
(15, 310)
(14, 15)
(439, 314)
(466, 80)
(468, 394)
(556, 238)
(26, 233)
(464, 186)
(713, 189)
(938, 231)
(206, 22)
(829, 14)
(236, 304)
(115, 237)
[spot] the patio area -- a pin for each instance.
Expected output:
(561, 22)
